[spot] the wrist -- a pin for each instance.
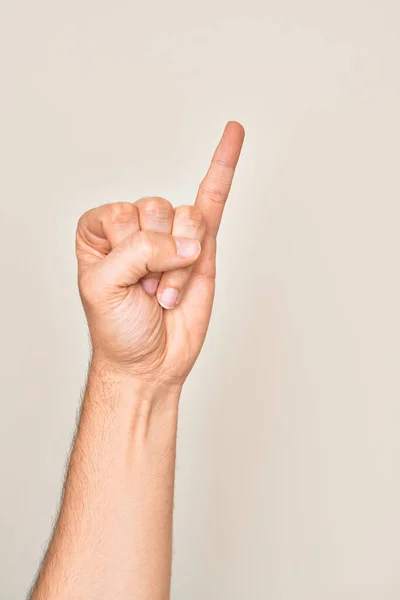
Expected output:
(118, 388)
(129, 411)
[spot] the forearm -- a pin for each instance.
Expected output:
(114, 533)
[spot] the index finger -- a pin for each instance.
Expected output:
(214, 189)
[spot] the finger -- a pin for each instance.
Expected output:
(214, 189)
(155, 214)
(188, 223)
(101, 229)
(145, 252)
(211, 198)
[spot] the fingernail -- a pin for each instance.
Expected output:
(150, 286)
(187, 248)
(169, 298)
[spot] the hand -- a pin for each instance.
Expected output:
(147, 272)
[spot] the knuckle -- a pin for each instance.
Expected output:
(82, 220)
(120, 212)
(82, 234)
(216, 191)
(157, 209)
(191, 215)
(225, 164)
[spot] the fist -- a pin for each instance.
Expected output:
(146, 275)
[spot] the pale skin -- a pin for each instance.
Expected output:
(146, 276)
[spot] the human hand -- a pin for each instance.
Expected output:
(146, 275)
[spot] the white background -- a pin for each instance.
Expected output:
(288, 472)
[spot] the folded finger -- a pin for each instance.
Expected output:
(103, 228)
(156, 215)
(188, 223)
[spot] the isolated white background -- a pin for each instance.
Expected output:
(288, 472)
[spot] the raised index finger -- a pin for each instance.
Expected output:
(214, 189)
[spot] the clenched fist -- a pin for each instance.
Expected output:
(147, 272)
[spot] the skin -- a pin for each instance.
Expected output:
(146, 276)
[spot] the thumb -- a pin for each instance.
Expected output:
(146, 251)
